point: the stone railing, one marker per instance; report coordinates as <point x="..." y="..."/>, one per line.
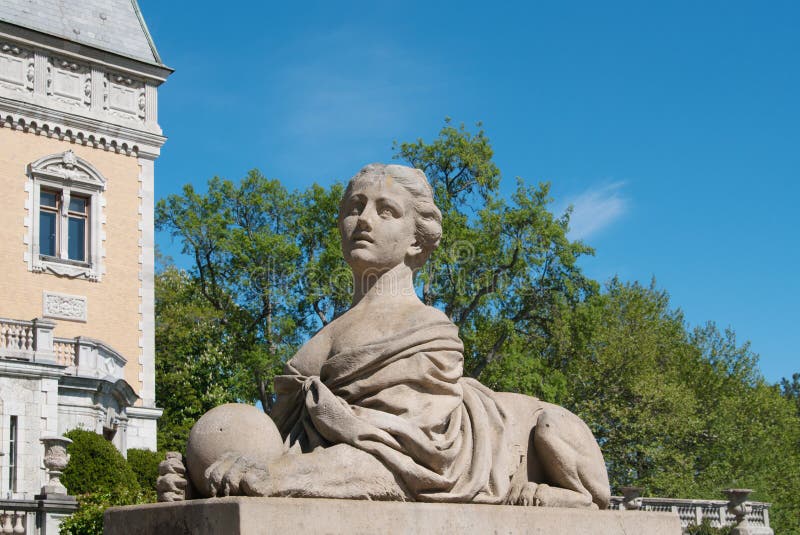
<point x="14" y="521"/>
<point x="694" y="512"/>
<point x="16" y="337"/>
<point x="32" y="517"/>
<point x="65" y="351"/>
<point x="34" y="341"/>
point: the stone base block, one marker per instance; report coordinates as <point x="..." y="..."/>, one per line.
<point x="240" y="516"/>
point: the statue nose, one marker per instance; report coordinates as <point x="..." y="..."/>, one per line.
<point x="363" y="222"/>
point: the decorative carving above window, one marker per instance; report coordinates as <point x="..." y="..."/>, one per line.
<point x="65" y="218"/>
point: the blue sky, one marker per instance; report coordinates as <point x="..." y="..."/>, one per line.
<point x="673" y="128"/>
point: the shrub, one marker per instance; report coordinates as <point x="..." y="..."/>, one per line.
<point x="88" y="519"/>
<point x="96" y="466"/>
<point x="144" y="464"/>
<point x="706" y="529"/>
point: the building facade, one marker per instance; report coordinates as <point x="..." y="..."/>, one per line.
<point x="79" y="136"/>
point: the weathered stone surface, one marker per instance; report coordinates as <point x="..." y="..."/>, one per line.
<point x="375" y="405"/>
<point x="231" y="428"/>
<point x="238" y="515"/>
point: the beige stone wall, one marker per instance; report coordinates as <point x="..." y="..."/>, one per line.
<point x="113" y="303"/>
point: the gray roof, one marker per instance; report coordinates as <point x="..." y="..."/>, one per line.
<point x="113" y="25"/>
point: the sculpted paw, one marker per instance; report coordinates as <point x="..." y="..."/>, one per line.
<point x="524" y="494"/>
<point x="236" y="475"/>
<point x="256" y="482"/>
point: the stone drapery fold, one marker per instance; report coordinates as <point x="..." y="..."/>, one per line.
<point x="403" y="399"/>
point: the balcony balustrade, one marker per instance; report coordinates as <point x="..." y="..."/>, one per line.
<point x="33" y="341"/>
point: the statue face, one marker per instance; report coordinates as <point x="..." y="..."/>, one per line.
<point x="378" y="225"/>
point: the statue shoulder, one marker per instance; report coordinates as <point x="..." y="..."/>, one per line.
<point x="429" y="314"/>
<point x="309" y="358"/>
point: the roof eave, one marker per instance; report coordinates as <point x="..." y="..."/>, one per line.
<point x="151" y="69"/>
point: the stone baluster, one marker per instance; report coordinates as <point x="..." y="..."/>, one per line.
<point x="28" y="339"/>
<point x="19" y="524"/>
<point x="6" y="526"/>
<point x="13" y="337"/>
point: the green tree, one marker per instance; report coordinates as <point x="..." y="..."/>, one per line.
<point x="791" y="389"/>
<point x="624" y="353"/>
<point x="503" y="269"/>
<point x="243" y="239"/>
<point x="194" y="371"/>
<point x="683" y="413"/>
<point x="266" y="264"/>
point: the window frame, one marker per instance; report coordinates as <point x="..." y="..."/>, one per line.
<point x="68" y="176"/>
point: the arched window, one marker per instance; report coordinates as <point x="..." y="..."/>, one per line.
<point x="66" y="197"/>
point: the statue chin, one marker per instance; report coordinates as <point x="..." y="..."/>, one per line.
<point x="231" y="429"/>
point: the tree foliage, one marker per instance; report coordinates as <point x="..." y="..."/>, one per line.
<point x="683" y="413"/>
<point x="194" y="371"/>
<point x="503" y="269"/>
<point x="790" y="388"/>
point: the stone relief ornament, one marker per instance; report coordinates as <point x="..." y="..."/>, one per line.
<point x="16" y="66"/>
<point x="375" y="405"/>
<point x="125" y="97"/>
<point x="62" y="306"/>
<point x="66" y="167"/>
<point x="67" y="82"/>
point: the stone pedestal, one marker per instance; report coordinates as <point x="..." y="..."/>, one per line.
<point x="239" y="516"/>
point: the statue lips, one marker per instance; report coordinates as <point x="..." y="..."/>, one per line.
<point x="361" y="238"/>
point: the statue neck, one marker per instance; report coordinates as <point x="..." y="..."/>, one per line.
<point x="395" y="283"/>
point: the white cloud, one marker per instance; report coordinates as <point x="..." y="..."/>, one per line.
<point x="595" y="209"/>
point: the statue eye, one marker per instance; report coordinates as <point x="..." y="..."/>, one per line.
<point x="387" y="212"/>
<point x="356" y="209"/>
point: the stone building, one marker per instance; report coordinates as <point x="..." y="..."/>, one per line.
<point x="79" y="136"/>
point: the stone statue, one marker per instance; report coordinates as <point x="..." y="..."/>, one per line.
<point x="375" y="406"/>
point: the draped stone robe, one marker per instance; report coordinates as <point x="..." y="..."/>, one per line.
<point x="403" y="399"/>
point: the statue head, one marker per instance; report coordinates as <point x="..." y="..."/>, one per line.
<point x="410" y="215"/>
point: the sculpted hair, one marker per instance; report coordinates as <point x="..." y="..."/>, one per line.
<point x="428" y="218"/>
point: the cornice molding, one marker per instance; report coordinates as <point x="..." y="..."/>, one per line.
<point x="80" y="130"/>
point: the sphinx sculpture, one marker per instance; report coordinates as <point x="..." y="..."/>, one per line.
<point x="374" y="406"/>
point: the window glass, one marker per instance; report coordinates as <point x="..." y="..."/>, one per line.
<point x="77" y="204"/>
<point x="47" y="233"/>
<point x="12" y="454"/>
<point x="49" y="198"/>
<point x="76" y="241"/>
